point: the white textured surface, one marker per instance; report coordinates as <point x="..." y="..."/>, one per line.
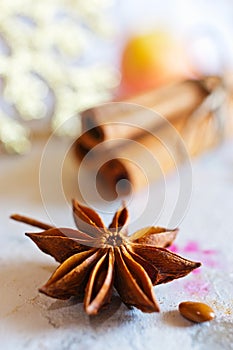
<point x="32" y="321"/>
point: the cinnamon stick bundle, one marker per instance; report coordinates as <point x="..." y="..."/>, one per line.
<point x="124" y="142"/>
<point x="173" y="101"/>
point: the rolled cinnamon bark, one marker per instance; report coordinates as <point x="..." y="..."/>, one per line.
<point x="157" y="156"/>
<point x="111" y="121"/>
<point x="143" y="156"/>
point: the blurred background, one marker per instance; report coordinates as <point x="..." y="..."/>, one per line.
<point x="58" y="58"/>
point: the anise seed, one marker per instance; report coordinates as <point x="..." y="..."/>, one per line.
<point x="196" y="311"/>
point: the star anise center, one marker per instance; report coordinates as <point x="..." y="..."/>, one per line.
<point x="112" y="239"/>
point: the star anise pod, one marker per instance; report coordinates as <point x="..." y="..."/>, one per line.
<point x="95" y="258"/>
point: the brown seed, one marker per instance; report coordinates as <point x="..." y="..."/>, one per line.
<point x="196" y="312"/>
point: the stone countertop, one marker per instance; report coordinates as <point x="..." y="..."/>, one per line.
<point x="33" y="321"/>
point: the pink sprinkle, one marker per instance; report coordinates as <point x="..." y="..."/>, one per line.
<point x="209" y="262"/>
<point x="191" y="247"/>
<point x="173" y="248"/>
<point x="197" y="287"/>
<point x="209" y="251"/>
<point x="196" y="271"/>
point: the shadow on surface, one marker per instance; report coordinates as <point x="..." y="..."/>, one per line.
<point x="24" y="309"/>
<point x="174" y="319"/>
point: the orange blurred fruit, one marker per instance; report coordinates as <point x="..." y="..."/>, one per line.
<point x="150" y="60"/>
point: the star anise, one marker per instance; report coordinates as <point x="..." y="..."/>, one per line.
<point x="95" y="258"/>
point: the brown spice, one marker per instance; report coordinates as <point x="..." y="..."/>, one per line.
<point x="196" y="311"/>
<point x="95" y="258"/>
<point x="200" y="115"/>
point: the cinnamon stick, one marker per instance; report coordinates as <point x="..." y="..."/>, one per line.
<point x="199" y="126"/>
<point x="142" y="166"/>
<point x="111" y="121"/>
